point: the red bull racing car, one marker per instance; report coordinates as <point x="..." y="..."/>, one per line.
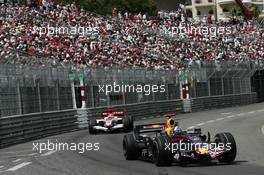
<point x="167" y="143"/>
<point x="111" y="121"/>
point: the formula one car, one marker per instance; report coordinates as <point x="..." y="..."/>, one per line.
<point x="167" y="143"/>
<point x="111" y="121"/>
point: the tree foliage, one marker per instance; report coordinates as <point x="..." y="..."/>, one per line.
<point x="106" y="6"/>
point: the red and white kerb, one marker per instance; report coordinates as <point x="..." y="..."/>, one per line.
<point x="82" y="89"/>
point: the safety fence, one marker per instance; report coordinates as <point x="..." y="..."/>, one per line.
<point x="26" y="89"/>
<point x="22" y="128"/>
<point x="143" y="110"/>
<point x="213" y="102"/>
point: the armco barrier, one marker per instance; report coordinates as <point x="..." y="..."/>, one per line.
<point x="21" y="128"/>
<point x="212" y="102"/>
<point x="141" y="110"/>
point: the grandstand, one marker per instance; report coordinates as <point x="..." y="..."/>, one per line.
<point x="124" y="41"/>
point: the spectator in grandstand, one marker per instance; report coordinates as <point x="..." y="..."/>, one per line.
<point x="137" y="42"/>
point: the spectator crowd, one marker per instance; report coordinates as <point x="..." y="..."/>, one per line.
<point x="124" y="40"/>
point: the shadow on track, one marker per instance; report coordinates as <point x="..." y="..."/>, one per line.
<point x="209" y="164"/>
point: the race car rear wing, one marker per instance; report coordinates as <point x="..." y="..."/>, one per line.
<point x="148" y="128"/>
<point x="104" y="114"/>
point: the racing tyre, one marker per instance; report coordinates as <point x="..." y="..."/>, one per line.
<point x="161" y="154"/>
<point x="130" y="147"/>
<point x="128" y="123"/>
<point x="92" y="123"/>
<point x="227" y="138"/>
<point x="131" y="123"/>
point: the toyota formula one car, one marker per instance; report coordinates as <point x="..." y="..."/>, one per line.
<point x="111" y="121"/>
<point x="166" y="143"/>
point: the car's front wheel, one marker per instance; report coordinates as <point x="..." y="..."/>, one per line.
<point x="161" y="153"/>
<point x="229" y="143"/>
<point x="130" y="147"/>
<point x="92" y="123"/>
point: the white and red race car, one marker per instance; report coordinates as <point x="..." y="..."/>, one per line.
<point x="111" y="121"/>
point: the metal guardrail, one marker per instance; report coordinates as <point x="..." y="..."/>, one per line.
<point x="141" y="110"/>
<point x="212" y="102"/>
<point x="22" y="128"/>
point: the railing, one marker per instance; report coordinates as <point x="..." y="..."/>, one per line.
<point x="213" y="102"/>
<point x="142" y="110"/>
<point x="21" y="128"/>
<point x="26" y="90"/>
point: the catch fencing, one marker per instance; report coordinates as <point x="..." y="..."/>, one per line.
<point x="25" y="89"/>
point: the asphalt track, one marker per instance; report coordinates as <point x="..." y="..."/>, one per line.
<point x="245" y="123"/>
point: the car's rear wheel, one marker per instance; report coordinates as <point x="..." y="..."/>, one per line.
<point x="128" y="123"/>
<point x="130" y="147"/>
<point x="228" y="141"/>
<point x="92" y="123"/>
<point x="161" y="152"/>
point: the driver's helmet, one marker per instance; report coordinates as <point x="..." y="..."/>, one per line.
<point x="177" y="129"/>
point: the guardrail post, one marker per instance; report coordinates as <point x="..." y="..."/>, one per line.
<point x="19" y="98"/>
<point x="57" y="94"/>
<point x="233" y="85"/>
<point x="209" y="87"/>
<point x="92" y="95"/>
<point x="39" y="96"/>
<point x="82" y="88"/>
<point x="73" y="95"/>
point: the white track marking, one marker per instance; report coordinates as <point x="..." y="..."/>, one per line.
<point x="14" y="156"/>
<point x="19" y="166"/>
<point x="48" y="153"/>
<point x="241" y="114"/>
<point x="200" y="124"/>
<point x="15" y="152"/>
<point x="252" y="112"/>
<point x="33" y="154"/>
<point x="210" y="121"/>
<point x="230" y="116"/>
<point x="222" y="118"/>
<point x="226" y="113"/>
<point x="17" y="160"/>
